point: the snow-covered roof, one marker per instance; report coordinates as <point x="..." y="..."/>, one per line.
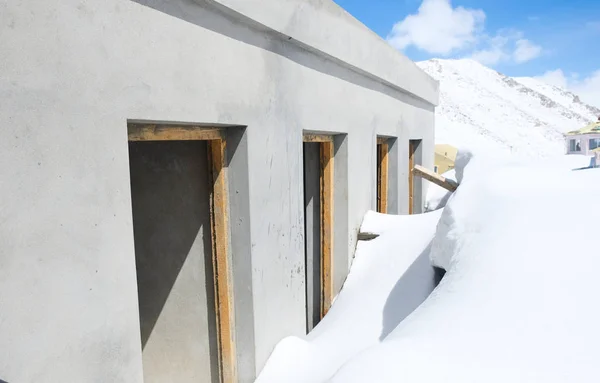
<point x="593" y="128"/>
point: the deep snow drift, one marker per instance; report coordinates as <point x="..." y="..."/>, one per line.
<point x="437" y="196"/>
<point x="518" y="303"/>
<point x="390" y="276"/>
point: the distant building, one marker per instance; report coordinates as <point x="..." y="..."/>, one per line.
<point x="445" y="155"/>
<point x="585" y="140"/>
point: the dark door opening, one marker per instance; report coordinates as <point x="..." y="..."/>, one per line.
<point x="318" y="226"/>
<point x="179" y="220"/>
<point x="312" y="233"/>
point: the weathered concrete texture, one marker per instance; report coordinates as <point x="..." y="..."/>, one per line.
<point x="324" y="26"/>
<point x="170" y="191"/>
<point x="73" y="72"/>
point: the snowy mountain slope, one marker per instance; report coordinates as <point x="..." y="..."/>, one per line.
<point x="564" y="97"/>
<point x="484" y="110"/>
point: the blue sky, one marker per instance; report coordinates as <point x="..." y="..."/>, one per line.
<point x="557" y="41"/>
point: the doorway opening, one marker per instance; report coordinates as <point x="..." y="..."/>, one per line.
<point x="318" y="160"/>
<point x="382" y="174"/>
<point x="180" y="223"/>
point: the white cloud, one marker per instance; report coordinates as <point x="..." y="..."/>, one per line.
<point x="554" y="77"/>
<point x="587" y="88"/>
<point x="438" y="28"/>
<point x="490" y="56"/>
<point x="525" y="51"/>
<point x="507" y="46"/>
<point x="493" y="52"/>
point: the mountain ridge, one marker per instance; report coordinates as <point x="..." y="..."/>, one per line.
<point x="483" y="109"/>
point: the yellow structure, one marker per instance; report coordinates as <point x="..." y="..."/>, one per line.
<point x="445" y="155"/>
<point x="591" y="128"/>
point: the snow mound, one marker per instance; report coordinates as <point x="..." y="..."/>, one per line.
<point x="437" y="196"/>
<point x="518" y="302"/>
<point x="478" y="167"/>
<point x="389" y="278"/>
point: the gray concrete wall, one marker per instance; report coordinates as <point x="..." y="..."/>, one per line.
<point x="74" y="72"/>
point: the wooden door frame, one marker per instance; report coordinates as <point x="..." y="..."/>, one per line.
<point x="413" y="146"/>
<point x="383" y="149"/>
<point x="326" y="189"/>
<point x="219" y="216"/>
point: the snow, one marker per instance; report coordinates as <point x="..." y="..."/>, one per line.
<point x="370" y="305"/>
<point x="517" y="239"/>
<point x="562" y="96"/>
<point x="481" y="109"/>
<point x="437" y="196"/>
<point x="517" y="304"/>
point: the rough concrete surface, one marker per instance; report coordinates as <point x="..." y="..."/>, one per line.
<point x="170" y="191"/>
<point x="73" y="73"/>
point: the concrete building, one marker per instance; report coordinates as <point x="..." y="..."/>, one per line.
<point x="182" y="181"/>
<point x="585" y="140"/>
